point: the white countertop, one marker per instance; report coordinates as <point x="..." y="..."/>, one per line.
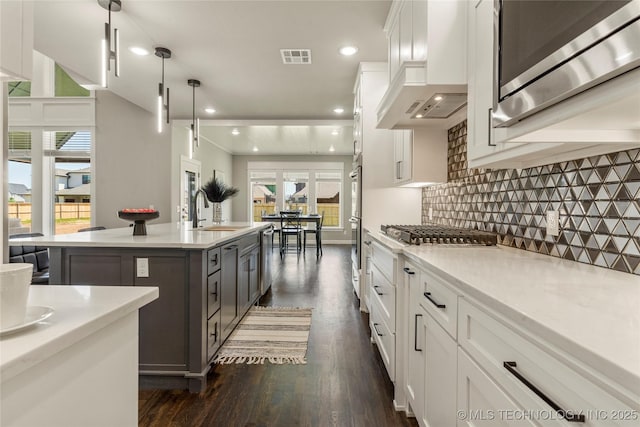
<point x="169" y="235"/>
<point x="592" y="313"/>
<point x="79" y="311"/>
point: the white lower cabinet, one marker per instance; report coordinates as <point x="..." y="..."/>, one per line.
<point x="440" y="376"/>
<point x="546" y="389"/>
<point x="480" y="401"/>
<point x="431" y="356"/>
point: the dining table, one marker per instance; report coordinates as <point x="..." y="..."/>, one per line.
<point x="304" y="218"/>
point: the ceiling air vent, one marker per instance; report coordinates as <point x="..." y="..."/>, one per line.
<point x="441" y="106"/>
<point x="296" y="56"/>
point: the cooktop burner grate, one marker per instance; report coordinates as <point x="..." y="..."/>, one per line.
<point x="417" y="234"/>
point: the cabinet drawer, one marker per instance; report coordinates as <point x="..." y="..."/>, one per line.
<point x="385" y="294"/>
<point x="384" y="260"/>
<point x="440" y="301"/>
<point x="213" y="335"/>
<point x="384" y="338"/>
<point x="510" y="358"/>
<point x="213" y="260"/>
<point x="213" y="293"/>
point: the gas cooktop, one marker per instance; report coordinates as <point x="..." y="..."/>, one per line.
<point x="431" y="233"/>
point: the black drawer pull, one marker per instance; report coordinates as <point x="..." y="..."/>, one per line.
<point x="215" y="286"/>
<point x="375" y="288"/>
<point x="415" y="338"/>
<point x="406" y="270"/>
<point x="375" y="326"/>
<point x="214" y="259"/>
<point x="567" y="415"/>
<point x="428" y="296"/>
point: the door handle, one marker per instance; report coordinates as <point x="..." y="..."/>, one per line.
<point x="375" y="288"/>
<point x="375" y="326"/>
<point x="428" y="296"/>
<point x="570" y="416"/>
<point x="406" y="270"/>
<point x="490" y="127"/>
<point x="415" y="331"/>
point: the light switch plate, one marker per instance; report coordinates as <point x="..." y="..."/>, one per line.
<point x="553" y="223"/>
<point x="142" y="267"/>
<point x="430" y="214"/>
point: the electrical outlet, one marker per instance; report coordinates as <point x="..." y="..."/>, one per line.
<point x="142" y="267"/>
<point x="553" y="223"/>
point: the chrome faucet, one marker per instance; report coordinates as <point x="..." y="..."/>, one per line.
<point x="195" y="206"/>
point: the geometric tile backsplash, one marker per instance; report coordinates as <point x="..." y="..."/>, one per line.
<point x="598" y="199"/>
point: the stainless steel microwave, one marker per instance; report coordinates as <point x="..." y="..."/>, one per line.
<point x="547" y="51"/>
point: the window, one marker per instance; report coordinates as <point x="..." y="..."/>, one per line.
<point x="296" y="191"/>
<point x="263" y="193"/>
<point x="328" y="186"/>
<point x="311" y="187"/>
<point x="86" y="179"/>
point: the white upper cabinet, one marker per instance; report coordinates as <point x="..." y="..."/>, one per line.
<point x="427" y="57"/>
<point x="420" y="157"/>
<point x="16" y="40"/>
<point x="601" y="120"/>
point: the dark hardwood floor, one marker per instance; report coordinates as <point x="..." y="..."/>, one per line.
<point x="344" y="382"/>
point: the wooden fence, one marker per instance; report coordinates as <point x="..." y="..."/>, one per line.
<point x="62" y="211"/>
<point x="331" y="211"/>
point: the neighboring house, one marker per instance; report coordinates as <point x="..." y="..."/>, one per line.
<point x="78" y="177"/>
<point x="19" y="193"/>
<point x="73" y="186"/>
<point x="79" y="194"/>
<point x="262" y="195"/>
<point x="325" y="193"/>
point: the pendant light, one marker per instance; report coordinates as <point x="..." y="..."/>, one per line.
<point x="194" y="131"/>
<point x="163" y="104"/>
<point x="107" y="52"/>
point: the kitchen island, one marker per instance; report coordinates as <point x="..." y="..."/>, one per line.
<point x="75" y="367"/>
<point x="208" y="278"/>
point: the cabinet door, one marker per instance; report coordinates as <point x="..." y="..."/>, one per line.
<point x="419" y="30"/>
<point x="394" y="50"/>
<point x="244" y="265"/>
<point x="415" y="345"/>
<point x="406" y="30"/>
<point x="254" y="275"/>
<point x="481" y="403"/>
<point x="440" y="375"/>
<point x="229" y="297"/>
<point x="402" y="150"/>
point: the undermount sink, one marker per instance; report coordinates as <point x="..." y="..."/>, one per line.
<point x="224" y="228"/>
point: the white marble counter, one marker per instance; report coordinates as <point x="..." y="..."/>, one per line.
<point x="591" y="313"/>
<point x="79" y="312"/>
<point x="169" y="235"/>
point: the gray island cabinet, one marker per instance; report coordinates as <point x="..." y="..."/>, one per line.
<point x="207" y="282"/>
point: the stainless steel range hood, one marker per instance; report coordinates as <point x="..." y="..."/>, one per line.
<point x="412" y="100"/>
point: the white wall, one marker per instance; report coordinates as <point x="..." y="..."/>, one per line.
<point x="241" y="180"/>
<point x="210" y="157"/>
<point x="132" y="161"/>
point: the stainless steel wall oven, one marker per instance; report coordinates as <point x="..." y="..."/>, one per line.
<point x="547" y="51"/>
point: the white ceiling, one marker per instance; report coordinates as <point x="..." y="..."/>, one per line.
<point x="232" y="47"/>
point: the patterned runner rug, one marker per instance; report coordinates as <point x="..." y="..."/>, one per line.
<point x="276" y="334"/>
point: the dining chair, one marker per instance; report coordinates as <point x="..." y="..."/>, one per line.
<point x="316" y="229"/>
<point x="290" y="225"/>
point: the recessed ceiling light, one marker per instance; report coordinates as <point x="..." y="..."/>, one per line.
<point x="418" y="116"/>
<point x="235" y="132"/>
<point x="209" y="110"/>
<point x="139" y="50"/>
<point x="438" y="98"/>
<point x="332" y="149"/>
<point x="255" y="148"/>
<point x="334" y="132"/>
<point x="338" y="110"/>
<point x="348" y="50"/>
